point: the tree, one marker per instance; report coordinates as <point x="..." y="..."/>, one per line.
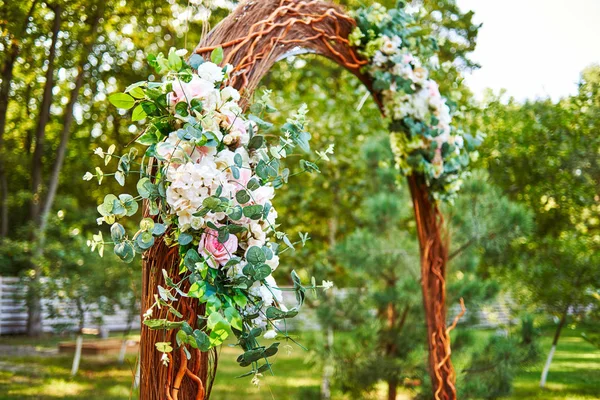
<point x="543" y="154"/>
<point x="52" y="125"/>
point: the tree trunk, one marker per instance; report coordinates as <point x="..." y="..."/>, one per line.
<point x="44" y="117"/>
<point x="180" y="379"/>
<point x="390" y="347"/>
<point x="40" y="234"/>
<point x="34" y="302"/>
<point x="434" y="256"/>
<point x="392" y="389"/>
<point x="561" y="324"/>
<point x="328" y="367"/>
<point x="7" y="75"/>
<point x="68" y="116"/>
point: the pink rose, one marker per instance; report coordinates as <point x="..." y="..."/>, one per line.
<point x="196" y="88"/>
<point x="215" y="251"/>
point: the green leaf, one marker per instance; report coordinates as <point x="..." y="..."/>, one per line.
<point x="236" y="213"/>
<point x="234" y="318"/>
<point x="145" y="240"/>
<point x="240" y="300"/>
<point x="120" y="178"/>
<point x="253" y="212"/>
<point x="185" y="238"/>
<point x="145" y="188"/>
<point x="117" y="232"/>
<point x="242" y="197"/>
<point x="309" y="166"/>
<point x="196" y="105"/>
<point x="223" y="236"/>
<point x="202" y="340"/>
<point x="137" y="92"/>
<point x="255" y="255"/>
<point x="211" y="202"/>
<point x="130" y="205"/>
<point x="256" y="142"/>
<point x="237" y="160"/>
<point x="195" y="61"/>
<point x="217" y="55"/>
<point x="191" y="258"/>
<point x="181" y="337"/>
<point x="162" y="324"/>
<point x="276" y="313"/>
<point x="147" y="224"/>
<point x="235" y="171"/>
<point x="261" y="124"/>
<point x="272" y="350"/>
<point x="164" y="347"/>
<point x="138" y="113"/>
<point x="182" y="108"/>
<point x="175" y="62"/>
<point x="121" y="100"/>
<point x="124" y="251"/>
<point x="253" y="184"/>
<point x="235" y="228"/>
<point x="159" y="229"/>
<point x="250" y="356"/>
<point x="261" y="272"/>
<point x="187" y="328"/>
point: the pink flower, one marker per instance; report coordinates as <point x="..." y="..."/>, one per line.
<point x="196" y="88"/>
<point x="215" y="251"/>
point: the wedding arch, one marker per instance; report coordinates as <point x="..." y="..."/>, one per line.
<point x="208" y="239"/>
<point x="254" y="37"/>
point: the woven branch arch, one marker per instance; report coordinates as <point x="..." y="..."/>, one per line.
<point x="255" y="36"/>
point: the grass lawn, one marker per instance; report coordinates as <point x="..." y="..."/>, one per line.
<point x="574" y="375"/>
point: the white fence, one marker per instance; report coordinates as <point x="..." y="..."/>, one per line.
<point x="13" y="312"/>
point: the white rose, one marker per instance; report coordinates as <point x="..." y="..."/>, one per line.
<point x="210" y="72"/>
<point x="229" y="93"/>
<point x="197" y="223"/>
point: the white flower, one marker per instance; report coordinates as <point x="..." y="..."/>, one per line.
<point x="327" y="285"/>
<point x="210" y="72"/>
<point x="229" y="93"/>
<point x="459" y="141"/>
<point x="99" y="152"/>
<point x="255" y="380"/>
<point x="379" y="59"/>
<point x="165" y="359"/>
<point x="180" y="151"/>
<point x="191" y="184"/>
<point x="181" y="52"/>
<point x="390" y="46"/>
<point x="197" y="223"/>
<point x="147" y="314"/>
<point x="88" y="176"/>
<point x="270" y="334"/>
<point x="273" y="262"/>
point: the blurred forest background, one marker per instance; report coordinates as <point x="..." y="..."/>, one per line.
<point x="525" y="229"/>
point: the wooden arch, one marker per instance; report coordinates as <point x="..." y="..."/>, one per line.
<point x="255" y="36"/>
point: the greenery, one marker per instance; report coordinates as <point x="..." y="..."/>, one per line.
<point x="524" y="228"/>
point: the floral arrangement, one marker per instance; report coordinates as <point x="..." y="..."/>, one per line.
<point x="422" y="136"/>
<point x="209" y="191"/>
